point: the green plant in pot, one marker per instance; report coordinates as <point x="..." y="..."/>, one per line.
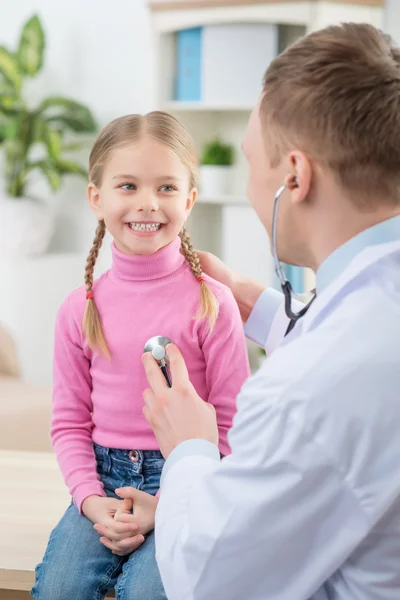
<point x="33" y="141"/>
<point x="216" y="169"/>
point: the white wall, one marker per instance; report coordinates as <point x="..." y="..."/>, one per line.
<point x="391" y="19"/>
<point x="328" y="13"/>
<point x="99" y="52"/>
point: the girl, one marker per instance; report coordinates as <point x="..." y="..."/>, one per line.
<point x="142" y="188"/>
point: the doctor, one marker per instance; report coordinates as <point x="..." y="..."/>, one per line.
<point x="307" y="506"/>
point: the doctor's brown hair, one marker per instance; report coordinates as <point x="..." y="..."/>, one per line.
<point x="165" y="129"/>
<point x="335" y="95"/>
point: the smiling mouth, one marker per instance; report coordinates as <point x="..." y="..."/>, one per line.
<point x="145" y="226"/>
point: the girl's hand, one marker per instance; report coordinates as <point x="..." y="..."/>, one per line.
<point x="142" y="520"/>
<point x="116" y="536"/>
<point x="144" y="509"/>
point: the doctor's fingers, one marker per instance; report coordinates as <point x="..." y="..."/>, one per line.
<point x="179" y="372"/>
<point x="154" y="374"/>
<point x="154" y="410"/>
<point x="150" y="399"/>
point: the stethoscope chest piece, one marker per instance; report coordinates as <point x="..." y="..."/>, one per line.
<point x="157" y="347"/>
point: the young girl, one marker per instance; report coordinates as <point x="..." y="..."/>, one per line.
<point x="142" y="188"/>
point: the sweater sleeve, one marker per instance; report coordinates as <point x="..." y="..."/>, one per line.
<point x="227" y="365"/>
<point x="71" y="428"/>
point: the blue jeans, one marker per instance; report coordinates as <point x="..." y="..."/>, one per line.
<point x="76" y="566"/>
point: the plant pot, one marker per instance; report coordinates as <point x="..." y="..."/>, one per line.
<point x="215" y="180"/>
<point x="26" y="227"/>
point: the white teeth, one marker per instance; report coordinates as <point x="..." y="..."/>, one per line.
<point x="145" y="226"/>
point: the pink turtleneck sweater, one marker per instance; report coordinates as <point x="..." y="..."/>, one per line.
<point x="100" y="400"/>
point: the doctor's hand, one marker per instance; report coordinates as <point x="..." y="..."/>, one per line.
<point x="245" y="291"/>
<point x="176" y="414"/>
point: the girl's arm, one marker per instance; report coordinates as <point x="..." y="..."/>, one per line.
<point x="71" y="428"/>
<point x="227" y="365"/>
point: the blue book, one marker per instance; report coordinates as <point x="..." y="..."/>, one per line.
<point x="188" y="67"/>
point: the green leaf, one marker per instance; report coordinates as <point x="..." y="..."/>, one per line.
<point x="52" y="139"/>
<point x="10" y="69"/>
<point x="51" y="173"/>
<point x="8" y="102"/>
<point x="67" y="167"/>
<point x="9" y="128"/>
<point x="31" y="47"/>
<point x="72" y="146"/>
<point x="68" y="114"/>
<point x="217" y="153"/>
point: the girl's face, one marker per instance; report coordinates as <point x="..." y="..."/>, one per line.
<point x="144" y="196"/>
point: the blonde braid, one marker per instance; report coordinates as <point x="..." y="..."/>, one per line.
<point x="208" y="301"/>
<point x="91" y="319"/>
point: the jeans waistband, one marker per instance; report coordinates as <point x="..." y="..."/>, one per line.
<point x="129" y="452"/>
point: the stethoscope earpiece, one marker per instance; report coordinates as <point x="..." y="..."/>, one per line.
<point x="292" y="183"/>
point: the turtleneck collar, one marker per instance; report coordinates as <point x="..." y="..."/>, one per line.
<point x="145" y="267"/>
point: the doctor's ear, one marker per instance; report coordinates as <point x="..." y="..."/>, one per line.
<point x="292" y="182"/>
<point x="299" y="181"/>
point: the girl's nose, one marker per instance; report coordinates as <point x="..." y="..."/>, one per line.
<point x="146" y="202"/>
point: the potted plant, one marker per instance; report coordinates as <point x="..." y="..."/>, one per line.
<point x="32" y="140"/>
<point x="216" y="168"/>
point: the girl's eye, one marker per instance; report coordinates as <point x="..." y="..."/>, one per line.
<point x="168" y="188"/>
<point x="129" y="187"/>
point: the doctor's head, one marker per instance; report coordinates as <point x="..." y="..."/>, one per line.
<point x="329" y="116"/>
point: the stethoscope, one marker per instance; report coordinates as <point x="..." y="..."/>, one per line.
<point x="285" y="283"/>
<point x="157" y="344"/>
<point x="157" y="347"/>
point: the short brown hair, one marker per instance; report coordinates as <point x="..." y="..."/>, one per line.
<point x="335" y="94"/>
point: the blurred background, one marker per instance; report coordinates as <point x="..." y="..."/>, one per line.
<point x="69" y="67"/>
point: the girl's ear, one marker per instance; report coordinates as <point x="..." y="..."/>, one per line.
<point x="94" y="201"/>
<point x="191" y="199"/>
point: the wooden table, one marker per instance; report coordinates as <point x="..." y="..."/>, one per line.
<point x="33" y="497"/>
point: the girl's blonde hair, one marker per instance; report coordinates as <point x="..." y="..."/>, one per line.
<point x="167" y="130"/>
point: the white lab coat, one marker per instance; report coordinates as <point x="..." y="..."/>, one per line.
<point x="307" y="506"/>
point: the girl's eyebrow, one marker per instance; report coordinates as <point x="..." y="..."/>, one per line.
<point x="161" y="178"/>
<point x="168" y="178"/>
<point x="130" y="176"/>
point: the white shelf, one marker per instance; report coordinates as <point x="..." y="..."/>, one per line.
<point x="224" y="200"/>
<point x="175" y="106"/>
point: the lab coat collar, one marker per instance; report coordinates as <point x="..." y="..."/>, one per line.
<point x="385" y="232"/>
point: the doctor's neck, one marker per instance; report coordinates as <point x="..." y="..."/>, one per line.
<point x="340" y="215"/>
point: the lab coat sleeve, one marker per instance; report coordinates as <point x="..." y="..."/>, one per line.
<point x="267" y="323"/>
<point x="240" y="528"/>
